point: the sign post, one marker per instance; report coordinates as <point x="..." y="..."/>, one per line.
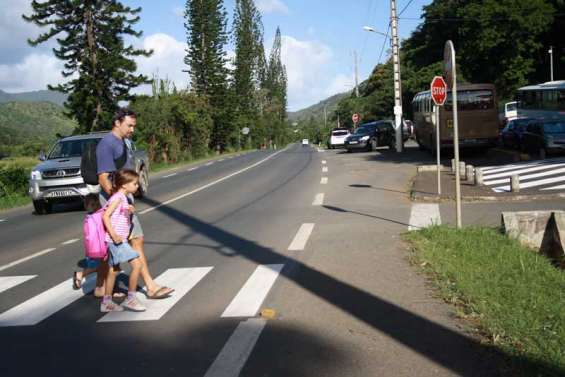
<point x="438" y="89"/>
<point x="451" y="78"/>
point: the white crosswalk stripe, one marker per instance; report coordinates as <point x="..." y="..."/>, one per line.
<point x="246" y="303"/>
<point x="546" y="174"/>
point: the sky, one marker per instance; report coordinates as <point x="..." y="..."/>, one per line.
<point x="318" y="42"/>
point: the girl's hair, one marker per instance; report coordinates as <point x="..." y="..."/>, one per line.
<point x="124" y="176"/>
<point x="91" y="203"/>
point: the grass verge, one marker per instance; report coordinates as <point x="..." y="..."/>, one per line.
<point x="14" y="200"/>
<point x="513" y="296"/>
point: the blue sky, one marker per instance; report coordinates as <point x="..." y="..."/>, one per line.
<point x="319" y="38"/>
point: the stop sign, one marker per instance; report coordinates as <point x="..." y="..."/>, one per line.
<point x="355" y="118"/>
<point x="438" y="88"/>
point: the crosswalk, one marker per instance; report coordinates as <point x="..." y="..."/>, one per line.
<point x="246" y="303"/>
<point x="543" y="175"/>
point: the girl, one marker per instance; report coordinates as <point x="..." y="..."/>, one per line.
<point x="117" y="222"/>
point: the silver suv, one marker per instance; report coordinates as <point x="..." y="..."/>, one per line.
<point x="58" y="178"/>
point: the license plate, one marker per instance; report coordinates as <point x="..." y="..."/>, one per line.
<point x="61" y="193"/>
<point x="353" y="142"/>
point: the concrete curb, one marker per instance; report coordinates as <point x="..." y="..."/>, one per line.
<point x="418" y="197"/>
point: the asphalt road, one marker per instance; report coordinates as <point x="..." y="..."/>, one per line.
<point x="315" y="237"/>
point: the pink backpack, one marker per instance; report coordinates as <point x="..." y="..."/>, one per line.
<point x="95" y="235"/>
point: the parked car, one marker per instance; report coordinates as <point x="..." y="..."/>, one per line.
<point x="544" y="136"/>
<point x="371" y="135"/>
<point x="337" y="138"/>
<point x="305" y="142"/>
<point x="511" y="135"/>
<point x="58" y="177"/>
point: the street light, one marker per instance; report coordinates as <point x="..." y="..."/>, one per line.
<point x="368" y="28"/>
<point x="550" y="52"/>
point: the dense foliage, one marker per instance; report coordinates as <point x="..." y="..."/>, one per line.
<point x="98" y="64"/>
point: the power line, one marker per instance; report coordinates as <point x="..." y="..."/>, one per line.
<point x="384" y="44"/>
<point x="456" y="19"/>
<point x="406" y="6"/>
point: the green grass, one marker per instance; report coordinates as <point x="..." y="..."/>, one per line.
<point x="512" y="295"/>
<point x="25" y="162"/>
<point x="14" y="200"/>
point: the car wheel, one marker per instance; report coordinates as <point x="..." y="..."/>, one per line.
<point x="42" y="207"/>
<point x="143" y="183"/>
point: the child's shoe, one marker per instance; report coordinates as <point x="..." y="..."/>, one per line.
<point x="133" y="304"/>
<point x="110" y="306"/>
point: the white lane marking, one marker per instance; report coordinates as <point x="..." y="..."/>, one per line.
<point x="318" y="200"/>
<point x="324" y="181"/>
<point x="209" y="184"/>
<point x="250" y="297"/>
<point x="70" y="241"/>
<point x="2" y="220"/>
<point x="325" y="169"/>
<point x="236" y="351"/>
<point x="497" y="169"/>
<point x="424" y="215"/>
<point x="525" y="185"/>
<point x="169" y="175"/>
<point x="526" y="176"/>
<point x="301" y="238"/>
<point x="323" y="162"/>
<point x="7" y="282"/>
<point x="193" y="169"/>
<point x="210" y="163"/>
<point x="15" y="263"/>
<point x="45" y="304"/>
<point x="520" y="171"/>
<point x="182" y="279"/>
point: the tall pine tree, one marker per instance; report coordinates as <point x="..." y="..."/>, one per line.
<point x="98" y="66"/>
<point x="205" y="24"/>
<point x="276" y="88"/>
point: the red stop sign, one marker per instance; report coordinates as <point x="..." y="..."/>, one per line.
<point x="438" y="88"/>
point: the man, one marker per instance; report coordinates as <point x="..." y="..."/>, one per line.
<point x="109" y="151"/>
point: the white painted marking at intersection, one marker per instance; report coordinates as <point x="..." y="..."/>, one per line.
<point x="318" y="200"/>
<point x="424" y="215"/>
<point x="250" y="297"/>
<point x="323" y="162"/>
<point x="301" y="238"/>
<point x="324" y="181"/>
<point x="519" y="171"/>
<point x="170" y="175"/>
<point x="236" y="351"/>
<point x="525" y="185"/>
<point x="325" y="169"/>
<point x="525" y="177"/>
<point x="560" y="187"/>
<point x="209" y="184"/>
<point x="7" y="282"/>
<point x="183" y="279"/>
<point x="15" y="263"/>
<point x="70" y="241"/>
<point x="45" y="304"/>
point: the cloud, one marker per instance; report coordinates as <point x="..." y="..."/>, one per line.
<point x="340" y="83"/>
<point x="33" y="73"/>
<point x="272" y="6"/>
<point x="178" y="11"/>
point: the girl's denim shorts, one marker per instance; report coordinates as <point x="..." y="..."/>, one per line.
<point x="121" y="253"/>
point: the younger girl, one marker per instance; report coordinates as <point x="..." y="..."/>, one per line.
<point x="117" y="222"/>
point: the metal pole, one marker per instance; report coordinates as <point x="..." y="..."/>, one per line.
<point x="356" y="75"/>
<point x="397" y="82"/>
<point x="325" y="117"/>
<point x="551" y="62"/>
<point x="456" y="139"/>
<point x="438" y="151"/>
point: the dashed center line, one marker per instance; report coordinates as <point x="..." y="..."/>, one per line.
<point x="70" y="241"/>
<point x="170" y="175"/>
<point x="318" y="200"/>
<point x="193" y="169"/>
<point x="323" y="162"/>
<point x="325" y="169"/>
<point x="301" y="238"/>
<point x="324" y="181"/>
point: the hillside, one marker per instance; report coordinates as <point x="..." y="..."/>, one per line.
<point x="36" y="96"/>
<point x="317" y="110"/>
<point x="32" y="122"/>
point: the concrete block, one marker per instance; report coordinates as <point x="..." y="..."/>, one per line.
<point x="470" y="173"/>
<point x="479" y="177"/>
<point x="462" y="172"/>
<point x="515" y="183"/>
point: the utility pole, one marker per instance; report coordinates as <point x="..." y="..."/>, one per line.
<point x="356" y="74"/>
<point x="325" y="117"/>
<point x="397" y="82"/>
<point x="551" y="62"/>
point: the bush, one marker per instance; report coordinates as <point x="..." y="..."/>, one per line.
<point x="13" y="181"/>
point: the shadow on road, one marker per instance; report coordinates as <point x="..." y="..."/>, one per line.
<point x="460" y="354"/>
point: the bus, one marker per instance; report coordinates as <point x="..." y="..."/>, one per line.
<point x="545" y="100"/>
<point x="478" y="118"/>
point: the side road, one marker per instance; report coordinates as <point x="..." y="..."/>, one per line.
<point x="357" y="289"/>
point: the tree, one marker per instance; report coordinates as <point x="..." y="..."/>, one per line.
<point x="205" y="24"/>
<point x="98" y="65"/>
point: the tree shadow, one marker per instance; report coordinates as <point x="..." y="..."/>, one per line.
<point x="377" y="188"/>
<point x="337" y="209"/>
<point x="459" y="353"/>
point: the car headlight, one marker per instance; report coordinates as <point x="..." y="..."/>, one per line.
<point x="35" y="175"/>
<point x="364" y="138"/>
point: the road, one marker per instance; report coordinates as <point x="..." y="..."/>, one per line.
<point x="260" y="231"/>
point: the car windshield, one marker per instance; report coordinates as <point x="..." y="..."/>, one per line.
<point x="364" y="130"/>
<point x="554" y="128"/>
<point x="69" y="148"/>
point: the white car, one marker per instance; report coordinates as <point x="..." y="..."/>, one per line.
<point x="304" y="142"/>
<point x="337" y="137"/>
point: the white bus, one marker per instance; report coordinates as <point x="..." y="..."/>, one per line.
<point x="545" y="100"/>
